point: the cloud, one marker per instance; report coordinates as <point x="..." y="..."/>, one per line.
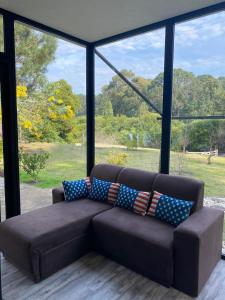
<point x="69" y="64"/>
<point x="154" y="39"/>
<point x="199" y="48"/>
<point x="186" y="35"/>
<point x="200" y="30"/>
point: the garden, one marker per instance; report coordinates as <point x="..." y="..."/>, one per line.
<point x="67" y="161"/>
<point x="52" y="121"/>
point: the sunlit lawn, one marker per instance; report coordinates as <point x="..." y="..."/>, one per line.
<point x="68" y="162"/>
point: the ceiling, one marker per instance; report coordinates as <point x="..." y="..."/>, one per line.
<point x="92" y="20"/>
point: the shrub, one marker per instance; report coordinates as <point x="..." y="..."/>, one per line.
<point x="32" y="163"/>
<point x="117" y="158"/>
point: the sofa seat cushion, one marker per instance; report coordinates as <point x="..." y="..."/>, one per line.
<point x="144" y="244"/>
<point x="41" y="230"/>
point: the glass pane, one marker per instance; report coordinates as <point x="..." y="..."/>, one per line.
<point x="128" y="130"/>
<point x="2" y="182"/>
<point x="197" y="146"/>
<point x="1" y="35"/>
<point x="51" y="113"/>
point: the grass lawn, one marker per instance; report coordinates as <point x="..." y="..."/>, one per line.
<point x="66" y="162"/>
<point x="69" y="162"/>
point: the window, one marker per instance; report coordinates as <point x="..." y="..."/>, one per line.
<point x="128" y="129"/>
<point x="197" y="144"/>
<point x="2" y="182"/>
<point x="51" y="79"/>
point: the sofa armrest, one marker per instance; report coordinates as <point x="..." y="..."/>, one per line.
<point x="197" y="249"/>
<point x="58" y="195"/>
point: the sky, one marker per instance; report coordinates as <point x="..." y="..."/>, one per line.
<point x="199" y="48"/>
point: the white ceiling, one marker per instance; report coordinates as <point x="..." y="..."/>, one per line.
<point x="92" y="20"/>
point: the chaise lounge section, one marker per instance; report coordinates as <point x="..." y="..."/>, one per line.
<point x="45" y="240"/>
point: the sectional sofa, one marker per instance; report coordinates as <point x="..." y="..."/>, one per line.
<point x="45" y="240"/>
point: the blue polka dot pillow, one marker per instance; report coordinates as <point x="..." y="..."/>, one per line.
<point x="74" y="190"/>
<point x="132" y="199"/>
<point x="105" y="191"/>
<point x="171" y="210"/>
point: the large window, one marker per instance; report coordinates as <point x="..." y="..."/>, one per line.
<point x="2" y="191"/>
<point x="2" y="182"/>
<point x="128" y="129"/>
<point x="51" y="113"/>
<point x="198" y="139"/>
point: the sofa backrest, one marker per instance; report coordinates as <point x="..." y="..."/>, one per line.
<point x="180" y="187"/>
<point x="106" y="172"/>
<point x="137" y="179"/>
<point x="184" y="188"/>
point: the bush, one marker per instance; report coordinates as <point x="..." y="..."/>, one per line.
<point x="33" y="163"/>
<point x="117" y="158"/>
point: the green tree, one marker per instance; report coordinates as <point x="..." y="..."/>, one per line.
<point x="49" y="115"/>
<point x="184" y="88"/>
<point x="82" y="108"/>
<point x="192" y="95"/>
<point x="124" y="100"/>
<point x="207" y="135"/>
<point x="103" y="106"/>
<point x="210" y="98"/>
<point x="155" y="91"/>
<point x="34" y="52"/>
<point x="62" y="105"/>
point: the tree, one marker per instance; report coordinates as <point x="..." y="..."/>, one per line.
<point x="192" y="95"/>
<point x="48" y="115"/>
<point x="210" y="97"/>
<point x="82" y="108"/>
<point x="62" y="105"/>
<point x="103" y="106"/>
<point x="207" y="135"/>
<point x="184" y="88"/>
<point x="34" y="52"/>
<point x="122" y="97"/>
<point x="155" y="91"/>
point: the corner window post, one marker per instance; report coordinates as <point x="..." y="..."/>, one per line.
<point x="167" y="99"/>
<point x="90" y="102"/>
<point x="9" y="122"/>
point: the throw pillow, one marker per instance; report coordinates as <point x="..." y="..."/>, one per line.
<point x="171" y="210"/>
<point x="105" y="191"/>
<point x="74" y="190"/>
<point x="132" y="199"/>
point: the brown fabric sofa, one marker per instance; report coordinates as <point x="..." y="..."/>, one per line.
<point x="43" y="241"/>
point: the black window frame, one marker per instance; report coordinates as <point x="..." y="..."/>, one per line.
<point x="7" y="59"/>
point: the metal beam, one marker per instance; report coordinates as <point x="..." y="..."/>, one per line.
<point x="9" y="122"/>
<point x="167" y="99"/>
<point x="90" y="104"/>
<point x="199" y="118"/>
<point x="216" y="117"/>
<point x="127" y="81"/>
